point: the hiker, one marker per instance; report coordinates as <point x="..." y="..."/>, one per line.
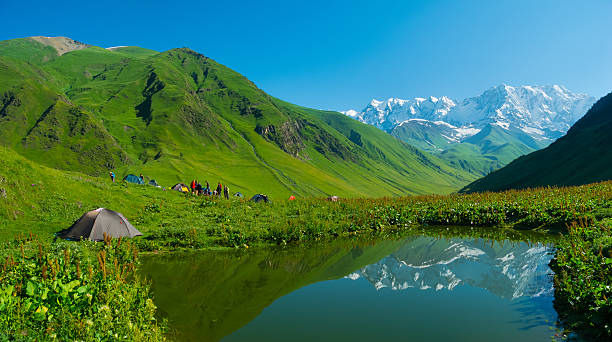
<point x="219" y="189"/>
<point x="142" y="177"/>
<point x="226" y="192"/>
<point x="112" y="176"/>
<point x="193" y="185"/>
<point x="198" y="189"/>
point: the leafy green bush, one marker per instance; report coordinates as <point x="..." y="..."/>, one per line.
<point x="583" y="279"/>
<point x="72" y="291"/>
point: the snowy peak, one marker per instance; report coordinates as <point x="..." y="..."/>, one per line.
<point x="543" y="112"/>
<point x="547" y="107"/>
<point x="393" y="111"/>
<point x="351" y="112"/>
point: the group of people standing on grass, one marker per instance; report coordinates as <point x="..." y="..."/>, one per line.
<point x="198" y="189"/>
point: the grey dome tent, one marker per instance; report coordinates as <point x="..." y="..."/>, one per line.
<point x="260" y="198"/>
<point x="180" y="187"/>
<point x="238" y="194"/>
<point x="154" y="183"/>
<point x="92" y="226"/>
<point x="133" y="179"/>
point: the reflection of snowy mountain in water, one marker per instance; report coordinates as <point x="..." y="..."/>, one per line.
<point x="509" y="270"/>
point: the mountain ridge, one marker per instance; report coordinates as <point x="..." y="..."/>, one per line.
<point x="581" y="156"/>
<point x="532" y="117"/>
<point x="515" y="105"/>
<point x="178" y="115"/>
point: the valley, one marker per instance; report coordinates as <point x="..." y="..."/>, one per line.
<point x="412" y="219"/>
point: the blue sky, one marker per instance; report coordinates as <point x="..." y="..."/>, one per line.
<point x="340" y="54"/>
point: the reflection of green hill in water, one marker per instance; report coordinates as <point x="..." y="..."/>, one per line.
<point x="208" y="295"/>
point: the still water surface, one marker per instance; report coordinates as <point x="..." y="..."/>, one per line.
<point x="415" y="289"/>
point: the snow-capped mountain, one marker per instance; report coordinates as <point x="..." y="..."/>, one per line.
<point x="388" y="114"/>
<point x="543" y="112"/>
<point x="509" y="271"/>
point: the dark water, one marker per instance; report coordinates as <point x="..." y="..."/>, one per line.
<point x="415" y="289"/>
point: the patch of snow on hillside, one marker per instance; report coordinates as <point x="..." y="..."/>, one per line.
<point x="351" y="112"/>
<point x="532" y="131"/>
<point x="466" y="132"/>
<point x="116" y="47"/>
<point x="503" y="125"/>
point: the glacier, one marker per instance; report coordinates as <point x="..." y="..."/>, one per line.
<point x="542" y="112"/>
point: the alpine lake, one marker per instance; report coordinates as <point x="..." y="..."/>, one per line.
<point x="410" y="288"/>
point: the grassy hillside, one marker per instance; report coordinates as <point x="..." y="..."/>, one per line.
<point x="178" y="115"/>
<point x="581" y="156"/>
<point x="492" y="148"/>
<point x="35" y="198"/>
<point x="424" y="135"/>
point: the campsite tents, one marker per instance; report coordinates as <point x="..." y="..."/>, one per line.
<point x="154" y="183"/>
<point x="180" y="187"/>
<point x="133" y="179"/>
<point x="260" y="198"/>
<point x="92" y="226"/>
<point x="238" y="194"/>
<point x="332" y="198"/>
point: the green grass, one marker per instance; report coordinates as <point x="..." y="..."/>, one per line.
<point x="44" y="200"/>
<point x="74" y="292"/>
<point x="28" y="50"/>
<point x="583" y="278"/>
<point x="490" y="149"/>
<point x="178" y="115"/>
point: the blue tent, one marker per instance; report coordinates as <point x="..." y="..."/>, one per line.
<point x="260" y="198"/>
<point x="133" y="179"/>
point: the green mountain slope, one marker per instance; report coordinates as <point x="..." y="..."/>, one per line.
<point x="581" y="156"/>
<point x="178" y="115"/>
<point x="424" y="135"/>
<point x="492" y="148"/>
<point x="488" y="150"/>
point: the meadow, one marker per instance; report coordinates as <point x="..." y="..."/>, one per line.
<point x="42" y="201"/>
